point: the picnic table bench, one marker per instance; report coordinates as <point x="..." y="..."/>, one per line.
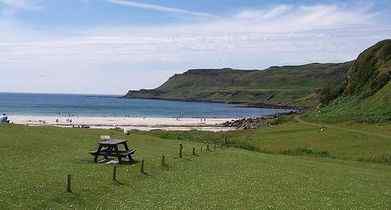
<point x="111" y="148"/>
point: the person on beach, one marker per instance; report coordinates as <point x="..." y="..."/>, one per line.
<point x="4" y="119"/>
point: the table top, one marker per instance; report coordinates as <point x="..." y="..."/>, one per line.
<point x="112" y="142"/>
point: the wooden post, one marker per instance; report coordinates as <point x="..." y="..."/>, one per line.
<point x="163" y="161"/>
<point x="201" y="149"/>
<point x="194" y="152"/>
<point x="180" y="150"/>
<point x="207" y="147"/>
<point x="142" y="167"/>
<point x="115" y="173"/>
<point x="69" y="183"/>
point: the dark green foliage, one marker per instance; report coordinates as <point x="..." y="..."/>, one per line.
<point x="380" y="81"/>
<point x="330" y="93"/>
<point x="308" y="151"/>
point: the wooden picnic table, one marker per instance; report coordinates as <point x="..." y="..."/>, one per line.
<point x="112" y="148"/>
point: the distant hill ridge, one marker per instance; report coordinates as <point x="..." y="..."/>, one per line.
<point x="359" y="90"/>
<point x="275" y="86"/>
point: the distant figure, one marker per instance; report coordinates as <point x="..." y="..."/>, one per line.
<point x="4" y="119"/>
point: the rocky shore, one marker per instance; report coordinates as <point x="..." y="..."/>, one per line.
<point x="254" y="123"/>
<point x="250" y="123"/>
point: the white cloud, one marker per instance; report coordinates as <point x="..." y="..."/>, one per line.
<point x="274" y="12"/>
<point x="143" y="57"/>
<point x="21" y="4"/>
<point x="159" y="8"/>
<point x="11" y="7"/>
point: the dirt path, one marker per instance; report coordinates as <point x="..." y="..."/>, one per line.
<point x="297" y="118"/>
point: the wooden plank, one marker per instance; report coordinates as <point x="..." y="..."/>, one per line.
<point x="112" y="142"/>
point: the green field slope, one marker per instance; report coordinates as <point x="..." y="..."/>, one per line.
<point x="366" y="96"/>
<point x="286" y="85"/>
<point x="35" y="162"/>
<point x="345" y="141"/>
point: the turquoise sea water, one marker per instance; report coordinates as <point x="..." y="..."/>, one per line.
<point x="114" y="106"/>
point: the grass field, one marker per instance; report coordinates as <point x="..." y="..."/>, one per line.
<point x="35" y="162"/>
<point x="346" y="141"/>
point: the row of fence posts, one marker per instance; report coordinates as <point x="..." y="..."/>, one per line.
<point x="164" y="164"/>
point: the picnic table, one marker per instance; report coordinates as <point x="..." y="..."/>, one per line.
<point x="112" y="148"/>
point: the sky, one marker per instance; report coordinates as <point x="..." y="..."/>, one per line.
<point x="111" y="46"/>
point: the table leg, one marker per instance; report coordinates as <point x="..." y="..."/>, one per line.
<point x="126" y="146"/>
<point x="97" y="153"/>
<point x="117" y="151"/>
<point x="109" y="150"/>
<point x="127" y="149"/>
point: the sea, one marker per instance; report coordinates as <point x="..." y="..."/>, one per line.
<point x="26" y="104"/>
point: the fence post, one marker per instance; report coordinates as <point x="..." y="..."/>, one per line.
<point x="207" y="147"/>
<point x="115" y="173"/>
<point x="142" y="167"/>
<point x="69" y="183"/>
<point x="180" y="150"/>
<point x="194" y="151"/>
<point x="163" y="161"/>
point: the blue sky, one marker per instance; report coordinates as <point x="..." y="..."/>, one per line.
<point x="110" y="46"/>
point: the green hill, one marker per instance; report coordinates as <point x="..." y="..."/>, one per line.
<point x="358" y="90"/>
<point x="366" y="95"/>
<point x="371" y="71"/>
<point x="286" y="85"/>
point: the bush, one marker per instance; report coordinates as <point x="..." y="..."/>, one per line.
<point x="330" y="93"/>
<point x="308" y="151"/>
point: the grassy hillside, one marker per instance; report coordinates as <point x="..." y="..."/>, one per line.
<point x="376" y="108"/>
<point x="36" y="160"/>
<point x="371" y="71"/>
<point x="366" y="97"/>
<point x="287" y="85"/>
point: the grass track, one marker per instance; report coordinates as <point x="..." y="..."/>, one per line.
<point x="339" y="127"/>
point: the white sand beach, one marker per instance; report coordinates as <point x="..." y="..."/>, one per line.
<point x="126" y="123"/>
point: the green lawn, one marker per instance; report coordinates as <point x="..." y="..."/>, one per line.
<point x="36" y="160"/>
<point x="347" y="141"/>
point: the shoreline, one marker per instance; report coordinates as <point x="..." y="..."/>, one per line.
<point x="125" y="123"/>
<point x="239" y="104"/>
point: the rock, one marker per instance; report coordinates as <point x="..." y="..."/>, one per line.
<point x="249" y="123"/>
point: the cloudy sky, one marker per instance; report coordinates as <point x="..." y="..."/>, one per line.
<point x="110" y="46"/>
